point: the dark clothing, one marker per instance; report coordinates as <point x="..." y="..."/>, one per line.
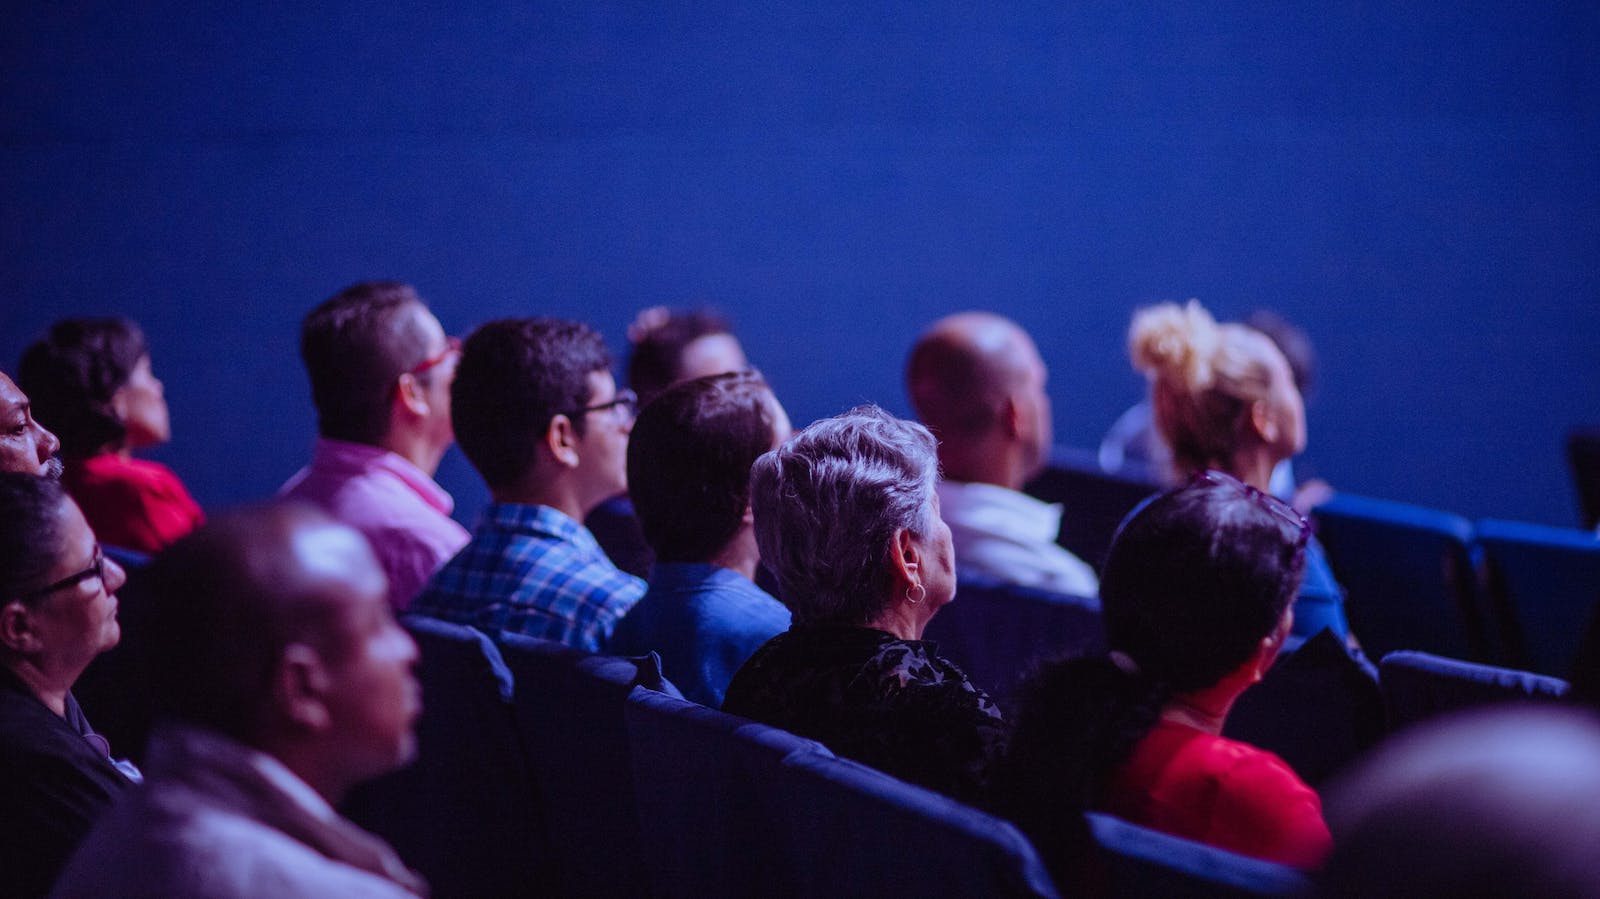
<point x="870" y="696"/>
<point x="56" y="778"/>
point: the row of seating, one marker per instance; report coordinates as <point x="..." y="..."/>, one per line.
<point x="544" y="770"/>
<point x="1493" y="591"/>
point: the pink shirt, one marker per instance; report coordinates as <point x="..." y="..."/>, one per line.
<point x="402" y="512"/>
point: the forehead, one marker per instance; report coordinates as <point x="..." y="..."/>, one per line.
<point x="602" y="387"/>
<point x="10" y="396"/>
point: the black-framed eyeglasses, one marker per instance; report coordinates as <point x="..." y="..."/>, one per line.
<point x="625" y="405"/>
<point x="97" y="568"/>
<point x="1266" y="501"/>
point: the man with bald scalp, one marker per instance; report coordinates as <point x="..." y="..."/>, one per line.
<point x="976" y="380"/>
<point x="283" y="681"/>
<point x="26" y="446"/>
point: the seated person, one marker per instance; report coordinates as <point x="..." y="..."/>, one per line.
<point x="290" y="684"/>
<point x="26" y="446"/>
<point x="689" y="459"/>
<point x="538" y="414"/>
<point x="59" y="612"/>
<point x="380" y="367"/>
<point x="667" y="347"/>
<point x="1225" y="399"/>
<point x="91" y="382"/>
<point x="977" y="381"/>
<point x="1196" y="597"/>
<point x="847" y="518"/>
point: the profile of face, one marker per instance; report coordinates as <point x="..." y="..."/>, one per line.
<point x="76" y="618"/>
<point x="1033" y="402"/>
<point x="713" y="354"/>
<point x="937" y="554"/>
<point x="25" y="445"/>
<point x="602" y="469"/>
<point x="372" y="696"/>
<point x="435" y="374"/>
<point x="141" y="404"/>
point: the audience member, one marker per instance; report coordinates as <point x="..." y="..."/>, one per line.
<point x="689" y="459"/>
<point x="1224" y="399"/>
<point x="380" y="368"/>
<point x="25" y="445"/>
<point x="847" y="518"/>
<point x="1196" y="596"/>
<point x="59" y="612"/>
<point x="668" y="347"/>
<point x="1497" y="802"/>
<point x="92" y="383"/>
<point x="977" y="381"/>
<point x="538" y="414"/>
<point x="289" y="684"/>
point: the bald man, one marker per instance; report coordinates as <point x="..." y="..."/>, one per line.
<point x="26" y="446"/>
<point x="977" y="382"/>
<point x="284" y="681"/>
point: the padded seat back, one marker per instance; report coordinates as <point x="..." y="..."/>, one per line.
<point x="995" y="632"/>
<point x="1093" y="501"/>
<point x="1143" y="862"/>
<point x="1545" y="585"/>
<point x="1408" y="576"/>
<point x="1583" y="456"/>
<point x="464" y="814"/>
<point x="569" y="712"/>
<point x="706" y="784"/>
<point x="1417" y="686"/>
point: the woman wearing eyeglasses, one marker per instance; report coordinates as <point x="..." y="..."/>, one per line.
<point x="57" y="612"/>
<point x="1224" y="399"/>
<point x="1196" y="597"/>
<point x="91" y="383"/>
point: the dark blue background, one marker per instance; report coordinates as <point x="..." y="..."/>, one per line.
<point x="1415" y="183"/>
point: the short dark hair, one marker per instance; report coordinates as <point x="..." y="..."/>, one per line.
<point x="221" y="607"/>
<point x="515" y="375"/>
<point x="656" y="360"/>
<point x="355" y="345"/>
<point x="71" y="375"/>
<point x="689" y="459"/>
<point x="30" y="532"/>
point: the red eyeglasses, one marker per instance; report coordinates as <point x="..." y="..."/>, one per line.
<point x="452" y="346"/>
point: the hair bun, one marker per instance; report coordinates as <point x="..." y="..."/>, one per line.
<point x="1176" y="343"/>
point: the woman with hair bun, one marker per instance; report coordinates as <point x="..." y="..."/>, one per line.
<point x="1196" y="597"/>
<point x="91" y="383"/>
<point x="1225" y="399"/>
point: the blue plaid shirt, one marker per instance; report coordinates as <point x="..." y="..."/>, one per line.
<point x="532" y="570"/>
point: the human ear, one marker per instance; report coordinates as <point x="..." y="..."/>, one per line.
<point x="16" y="628"/>
<point x="907" y="559"/>
<point x="409" y="393"/>
<point x="561" y="438"/>
<point x="1264" y="421"/>
<point x="299" y="687"/>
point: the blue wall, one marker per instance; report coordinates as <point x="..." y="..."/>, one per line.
<point x="1415" y="183"/>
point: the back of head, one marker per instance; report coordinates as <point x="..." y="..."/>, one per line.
<point x="659" y="338"/>
<point x="827" y="504"/>
<point x="961" y="369"/>
<point x="515" y="375"/>
<point x="1204" y="376"/>
<point x="1486" y="803"/>
<point x="226" y="601"/>
<point x="72" y="374"/>
<point x="30" y="531"/>
<point x="355" y="345"/>
<point x="689" y="459"/>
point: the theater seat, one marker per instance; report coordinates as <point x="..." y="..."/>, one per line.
<point x="464" y="814"/>
<point x="1583" y="457"/>
<point x="1417" y="686"/>
<point x="569" y="713"/>
<point x="1544" y="583"/>
<point x="995" y="632"/>
<point x="1143" y="862"/>
<point x="1093" y="501"/>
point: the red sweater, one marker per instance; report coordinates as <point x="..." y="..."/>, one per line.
<point x="1228" y="794"/>
<point x="132" y="503"/>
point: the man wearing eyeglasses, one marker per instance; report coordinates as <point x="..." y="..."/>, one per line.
<point x="380" y="368"/>
<point x="538" y="414"/>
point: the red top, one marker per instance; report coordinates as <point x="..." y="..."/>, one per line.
<point x="1214" y="790"/>
<point x="132" y="503"/>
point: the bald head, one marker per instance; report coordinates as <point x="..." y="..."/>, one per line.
<point x="228" y="600"/>
<point x="976" y="380"/>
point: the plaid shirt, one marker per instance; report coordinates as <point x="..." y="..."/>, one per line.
<point x="532" y="570"/>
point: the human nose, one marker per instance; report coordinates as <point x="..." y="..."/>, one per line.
<point x="113" y="575"/>
<point x="48" y="443"/>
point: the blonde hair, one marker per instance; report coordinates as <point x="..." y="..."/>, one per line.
<point x="1204" y="378"/>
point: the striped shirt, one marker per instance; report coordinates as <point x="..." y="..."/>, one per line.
<point x="532" y="570"/>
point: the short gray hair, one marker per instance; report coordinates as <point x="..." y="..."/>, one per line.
<point x="827" y="505"/>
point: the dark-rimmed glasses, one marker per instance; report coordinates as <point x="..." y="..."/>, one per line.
<point x="97" y="568"/>
<point x="625" y="405"/>
<point x="452" y="345"/>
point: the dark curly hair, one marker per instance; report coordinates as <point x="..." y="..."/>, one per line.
<point x="72" y="374"/>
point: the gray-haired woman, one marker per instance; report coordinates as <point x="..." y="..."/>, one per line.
<point x="847" y="520"/>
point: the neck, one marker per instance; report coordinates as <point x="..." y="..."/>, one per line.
<point x="985" y="460"/>
<point x="1207" y="709"/>
<point x="740" y="554"/>
<point x="1254" y="467"/>
<point x="50" y="689"/>
<point x="310" y="764"/>
<point x="558" y="495"/>
<point x="414" y="448"/>
<point x="902" y="620"/>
